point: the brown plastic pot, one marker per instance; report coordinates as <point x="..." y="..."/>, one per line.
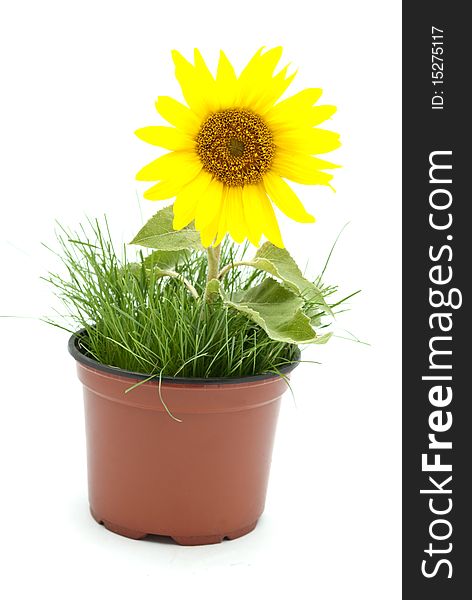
<point x="199" y="480"/>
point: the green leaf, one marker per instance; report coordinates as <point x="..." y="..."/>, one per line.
<point x="322" y="339"/>
<point x="165" y="259"/>
<point x="278" y="263"/>
<point x="278" y="311"/>
<point x="159" y="233"/>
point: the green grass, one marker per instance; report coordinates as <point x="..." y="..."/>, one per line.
<point x="138" y="322"/>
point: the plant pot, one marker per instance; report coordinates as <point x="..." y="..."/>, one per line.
<point x="199" y="480"/>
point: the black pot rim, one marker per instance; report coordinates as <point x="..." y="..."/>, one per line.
<point x="77" y="353"/>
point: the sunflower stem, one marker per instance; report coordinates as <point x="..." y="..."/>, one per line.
<point x="181" y="278"/>
<point x="240" y="263"/>
<point x="213" y="269"/>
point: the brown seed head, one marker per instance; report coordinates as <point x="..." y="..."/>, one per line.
<point x="235" y="146"/>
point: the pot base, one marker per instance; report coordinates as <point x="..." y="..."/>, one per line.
<point x="124" y="531"/>
<point x="192" y="540"/>
<point x="203" y="540"/>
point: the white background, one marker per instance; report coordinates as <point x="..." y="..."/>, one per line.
<point x="77" y="79"/>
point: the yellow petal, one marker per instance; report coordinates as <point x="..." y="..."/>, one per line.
<point x="182" y="165"/>
<point x="257" y="74"/>
<point x="163" y="190"/>
<point x="208" y="234"/>
<point x="302" y="168"/>
<point x="226" y="82"/>
<point x="223" y="220"/>
<point x="318" y="114"/>
<point x="262" y="64"/>
<point x="166" y="137"/>
<point x="300" y="119"/>
<point x="292" y="106"/>
<point x="194" y="84"/>
<point x="235" y="214"/>
<point x="253" y="213"/>
<point x="285" y="198"/>
<point x="274" y="89"/>
<point x="202" y="73"/>
<point x="209" y="205"/>
<point x="187" y="200"/>
<point x="269" y="220"/>
<point x="185" y="75"/>
<point x="178" y="115"/>
<point x="309" y="140"/>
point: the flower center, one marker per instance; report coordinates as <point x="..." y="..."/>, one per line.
<point x="235" y="146"/>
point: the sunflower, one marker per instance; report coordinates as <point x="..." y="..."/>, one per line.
<point x="234" y="146"/>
